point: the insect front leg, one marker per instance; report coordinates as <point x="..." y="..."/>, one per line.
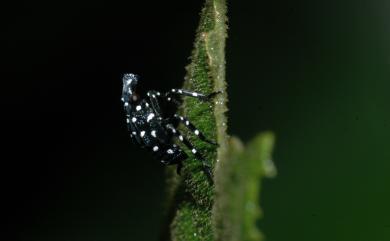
<point x="193" y="94"/>
<point x="153" y="98"/>
<point x="133" y="130"/>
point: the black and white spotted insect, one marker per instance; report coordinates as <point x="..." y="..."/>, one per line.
<point x="151" y="129"/>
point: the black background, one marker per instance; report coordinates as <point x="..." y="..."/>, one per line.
<point x="315" y="72"/>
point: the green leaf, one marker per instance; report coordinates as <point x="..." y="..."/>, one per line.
<point x="238" y="185"/>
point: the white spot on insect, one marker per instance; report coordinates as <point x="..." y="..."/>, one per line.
<point x="153" y="133"/>
<point x="196" y="132"/>
<point x="187" y="123"/>
<point x="142" y="133"/>
<point x="193" y="151"/>
<point x="158" y="93"/>
<point x="173" y="90"/>
<point x="154" y="96"/>
<point x="180" y="91"/>
<point x="181" y="137"/>
<point x="169" y="99"/>
<point x="170" y="151"/>
<point x="134" y="133"/>
<point x="194" y="94"/>
<point x="150" y="116"/>
<point x="148" y="94"/>
<point x="155" y="148"/>
<point x="138" y="107"/>
<point x="173" y="130"/>
<point x="133" y="119"/>
<point x="126" y="103"/>
<point x="181" y="118"/>
<point x="147" y="105"/>
<point x="122" y="99"/>
<point x="127" y="120"/>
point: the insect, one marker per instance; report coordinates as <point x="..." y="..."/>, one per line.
<point x="151" y="128"/>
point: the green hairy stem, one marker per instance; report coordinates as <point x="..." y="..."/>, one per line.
<point x="228" y="209"/>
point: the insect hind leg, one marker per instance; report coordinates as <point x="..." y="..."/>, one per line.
<point x="193" y="129"/>
<point x="188" y="144"/>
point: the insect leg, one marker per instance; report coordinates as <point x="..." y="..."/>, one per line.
<point x="187" y="143"/>
<point x="194" y="94"/>
<point x="192" y="128"/>
<point x="170" y="98"/>
<point x="133" y="130"/>
<point x="153" y="97"/>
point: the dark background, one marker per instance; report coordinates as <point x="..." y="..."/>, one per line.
<point x="315" y="72"/>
